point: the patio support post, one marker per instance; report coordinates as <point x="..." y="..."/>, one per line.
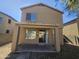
<point x="14" y="41"/>
<point x="22" y="35"/>
<point x="57" y="40"/>
<point x="37" y="35"/>
<point x="61" y="36"/>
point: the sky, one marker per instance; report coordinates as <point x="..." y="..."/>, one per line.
<point x="12" y="7"/>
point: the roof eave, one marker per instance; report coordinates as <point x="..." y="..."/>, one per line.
<point x="45" y="5"/>
<point x="8" y="16"/>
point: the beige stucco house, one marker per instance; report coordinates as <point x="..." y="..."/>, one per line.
<point x="6" y="27"/>
<point x="71" y="31"/>
<point x="41" y="25"/>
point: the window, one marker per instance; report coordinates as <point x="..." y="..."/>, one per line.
<point x="28" y="16"/>
<point x="1" y="20"/>
<point x="7" y="31"/>
<point x="31" y="16"/>
<point x="30" y="34"/>
<point x="9" y="21"/>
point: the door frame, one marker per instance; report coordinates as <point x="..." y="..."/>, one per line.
<point x="45" y="37"/>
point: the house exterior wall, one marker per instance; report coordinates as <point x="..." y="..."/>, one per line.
<point x="71" y="31"/>
<point x="5" y="25"/>
<point x="78" y="25"/>
<point x="45" y="15"/>
<point x="10" y="26"/>
<point x="2" y="25"/>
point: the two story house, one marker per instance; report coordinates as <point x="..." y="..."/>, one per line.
<point x="6" y="27"/>
<point x="71" y="31"/>
<point x="41" y="25"/>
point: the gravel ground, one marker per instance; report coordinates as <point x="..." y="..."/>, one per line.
<point x="5" y="50"/>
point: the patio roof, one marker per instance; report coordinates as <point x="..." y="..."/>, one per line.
<point x="36" y="25"/>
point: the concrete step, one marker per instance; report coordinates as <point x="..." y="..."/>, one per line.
<point x="32" y="55"/>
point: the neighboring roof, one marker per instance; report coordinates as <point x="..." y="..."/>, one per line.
<point x="41" y="4"/>
<point x="8" y="16"/>
<point x="70" y="22"/>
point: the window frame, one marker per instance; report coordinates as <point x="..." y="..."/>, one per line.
<point x="31" y="16"/>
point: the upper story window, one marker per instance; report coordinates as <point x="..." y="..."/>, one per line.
<point x="9" y="21"/>
<point x="1" y="20"/>
<point x="31" y="16"/>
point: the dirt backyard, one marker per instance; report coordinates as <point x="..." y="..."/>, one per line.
<point x="5" y="50"/>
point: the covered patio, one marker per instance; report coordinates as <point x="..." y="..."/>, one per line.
<point x="48" y="41"/>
